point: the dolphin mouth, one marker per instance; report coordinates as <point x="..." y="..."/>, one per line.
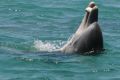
<point x="91" y="11"/>
<point x="91" y="7"/>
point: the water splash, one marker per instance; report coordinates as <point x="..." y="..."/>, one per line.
<point x="48" y="46"/>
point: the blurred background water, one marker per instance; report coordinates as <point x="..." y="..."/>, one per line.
<point x="30" y="29"/>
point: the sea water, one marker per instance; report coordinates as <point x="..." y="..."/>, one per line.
<point x="31" y="29"/>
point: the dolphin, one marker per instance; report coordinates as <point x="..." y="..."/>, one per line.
<point x="88" y="36"/>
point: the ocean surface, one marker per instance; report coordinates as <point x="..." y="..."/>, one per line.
<point x="31" y="29"/>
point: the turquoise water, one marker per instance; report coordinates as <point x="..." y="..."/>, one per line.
<point x="31" y="29"/>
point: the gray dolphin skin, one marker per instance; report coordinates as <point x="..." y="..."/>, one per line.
<point x="88" y="37"/>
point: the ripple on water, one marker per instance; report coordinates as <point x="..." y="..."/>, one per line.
<point x="31" y="29"/>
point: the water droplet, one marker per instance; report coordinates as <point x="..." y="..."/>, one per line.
<point x="16" y="10"/>
<point x="9" y="9"/>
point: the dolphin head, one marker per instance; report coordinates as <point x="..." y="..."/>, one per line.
<point x="91" y="14"/>
<point x="88" y="36"/>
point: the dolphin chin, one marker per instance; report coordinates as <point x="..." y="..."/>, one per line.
<point x="88" y="36"/>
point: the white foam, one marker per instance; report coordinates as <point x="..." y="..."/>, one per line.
<point x="48" y="46"/>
